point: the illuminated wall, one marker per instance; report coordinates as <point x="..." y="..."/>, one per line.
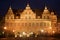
<point x="28" y="21"/>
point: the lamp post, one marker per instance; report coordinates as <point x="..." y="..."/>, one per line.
<point x="5" y="31"/>
<point x="5" y="28"/>
<point x="42" y="31"/>
<point x="13" y="30"/>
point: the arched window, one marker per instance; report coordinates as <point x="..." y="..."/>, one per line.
<point x="44" y="17"/>
<point x="37" y="24"/>
<point x="25" y="17"/>
<point x="47" y="17"/>
<point x="29" y="17"/>
<point x="44" y="24"/>
<point x="7" y="17"/>
<point x="29" y="24"/>
<point x="33" y="24"/>
<point x="22" y="24"/>
<point x="48" y="24"/>
<point x="25" y="24"/>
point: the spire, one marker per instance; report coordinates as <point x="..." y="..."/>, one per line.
<point x="45" y="7"/>
<point x="52" y="13"/>
<point x="27" y="7"/>
<point x="46" y="10"/>
<point x="10" y="8"/>
<point x="27" y="4"/>
<point x="10" y="12"/>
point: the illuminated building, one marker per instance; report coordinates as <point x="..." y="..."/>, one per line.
<point x="27" y="22"/>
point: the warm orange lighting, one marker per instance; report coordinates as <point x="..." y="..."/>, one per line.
<point x="20" y="35"/>
<point x="5" y="27"/>
<point x="50" y="27"/>
<point x="53" y="31"/>
<point x="13" y="30"/>
<point x="42" y="30"/>
<point x="3" y="32"/>
<point x="28" y="35"/>
<point x="31" y="33"/>
<point x="24" y="33"/>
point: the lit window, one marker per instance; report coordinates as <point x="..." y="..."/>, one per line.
<point x="41" y="24"/>
<point x="29" y="24"/>
<point x="25" y="24"/>
<point x="33" y="24"/>
<point x="44" y="24"/>
<point x="22" y="24"/>
<point x="7" y="17"/>
<point x="44" y="17"/>
<point x="47" y="17"/>
<point x="25" y="17"/>
<point x="48" y="24"/>
<point x="29" y="17"/>
<point x="37" y="24"/>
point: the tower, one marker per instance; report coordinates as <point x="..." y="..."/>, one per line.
<point x="9" y="19"/>
<point x="28" y="13"/>
<point x="9" y="14"/>
<point x="53" y="17"/>
<point x="46" y="13"/>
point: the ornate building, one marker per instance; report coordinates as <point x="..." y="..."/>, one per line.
<point x="27" y="23"/>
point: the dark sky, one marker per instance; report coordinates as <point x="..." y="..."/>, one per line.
<point x="39" y="4"/>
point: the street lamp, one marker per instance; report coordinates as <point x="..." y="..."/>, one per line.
<point x="24" y="33"/>
<point x="13" y="30"/>
<point x="42" y="30"/>
<point x="50" y="27"/>
<point x="5" y="28"/>
<point x="53" y="32"/>
<point x="5" y="32"/>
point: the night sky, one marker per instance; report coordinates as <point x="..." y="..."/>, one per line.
<point x="35" y="4"/>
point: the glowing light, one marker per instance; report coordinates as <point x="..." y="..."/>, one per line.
<point x="53" y="31"/>
<point x="15" y="35"/>
<point x="42" y="30"/>
<point x="50" y="27"/>
<point x="35" y="35"/>
<point x="20" y="35"/>
<point x="13" y="30"/>
<point x="3" y="32"/>
<point x="28" y="35"/>
<point x="45" y="7"/>
<point x="5" y="27"/>
<point x="24" y="33"/>
<point x="31" y="33"/>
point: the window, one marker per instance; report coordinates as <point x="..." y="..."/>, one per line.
<point x="22" y="24"/>
<point x="37" y="24"/>
<point x="41" y="24"/>
<point x="47" y="24"/>
<point x="11" y="17"/>
<point x="25" y="24"/>
<point x="29" y="17"/>
<point x="47" y="17"/>
<point x="44" y="24"/>
<point x="44" y="17"/>
<point x="7" y="17"/>
<point x="33" y="24"/>
<point x="25" y="17"/>
<point x="29" y="24"/>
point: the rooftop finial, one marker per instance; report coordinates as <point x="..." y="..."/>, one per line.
<point x="10" y="7"/>
<point x="27" y="7"/>
<point x="27" y="4"/>
<point x="45" y="7"/>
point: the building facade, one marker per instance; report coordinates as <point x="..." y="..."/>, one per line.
<point x="27" y="22"/>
